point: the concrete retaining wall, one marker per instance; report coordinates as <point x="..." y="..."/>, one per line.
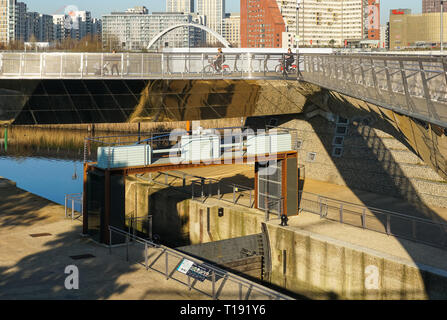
<point x="372" y="161"/>
<point x="323" y="268"/>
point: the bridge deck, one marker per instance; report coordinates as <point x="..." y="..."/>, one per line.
<point x="412" y="85"/>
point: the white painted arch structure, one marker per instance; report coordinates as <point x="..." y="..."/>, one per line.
<point x="167" y="30"/>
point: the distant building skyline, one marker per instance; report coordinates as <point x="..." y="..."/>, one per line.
<point x="97" y="8"/>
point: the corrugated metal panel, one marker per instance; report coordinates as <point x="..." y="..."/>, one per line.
<point x="258" y="144"/>
<point x="281" y="142"/>
<point x="121" y="157"/>
<point x="269" y="143"/>
<point x="200" y="147"/>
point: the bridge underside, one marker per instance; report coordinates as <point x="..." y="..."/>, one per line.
<point x="28" y="102"/>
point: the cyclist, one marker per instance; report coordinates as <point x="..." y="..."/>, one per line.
<point x="219" y="59"/>
<point x="290" y="59"/>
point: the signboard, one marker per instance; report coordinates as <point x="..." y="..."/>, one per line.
<point x="193" y="270"/>
<point x="397" y="12"/>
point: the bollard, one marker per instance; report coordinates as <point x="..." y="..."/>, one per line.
<point x="146" y="256"/>
<point x="213" y="275"/>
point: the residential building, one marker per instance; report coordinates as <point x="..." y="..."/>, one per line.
<point x="214" y="10"/>
<point x="429" y="6"/>
<point x="232" y="29"/>
<point x="12" y="21"/>
<point x="372" y="22"/>
<point x="262" y="25"/>
<point x="185" y="6"/>
<point x="385" y="36"/>
<point x="134" y="29"/>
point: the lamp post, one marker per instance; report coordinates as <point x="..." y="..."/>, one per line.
<point x="442" y="25"/>
<point x="298" y="3"/>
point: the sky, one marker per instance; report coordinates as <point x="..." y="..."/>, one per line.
<point x="100" y="7"/>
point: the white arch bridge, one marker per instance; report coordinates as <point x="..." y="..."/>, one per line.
<point x="183" y="25"/>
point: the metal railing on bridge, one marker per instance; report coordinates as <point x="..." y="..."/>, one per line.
<point x="64" y="65"/>
<point x="412" y="85"/>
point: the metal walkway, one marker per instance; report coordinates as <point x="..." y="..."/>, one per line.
<point x="412" y="85"/>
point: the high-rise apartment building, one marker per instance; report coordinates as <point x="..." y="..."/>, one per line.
<point x="308" y="22"/>
<point x="185" y="6"/>
<point x="12" y="21"/>
<point x="232" y="29"/>
<point x="372" y="20"/>
<point x="214" y="10"/>
<point x="134" y="29"/>
<point x="429" y="6"/>
<point x="331" y="22"/>
<point x="262" y="25"/>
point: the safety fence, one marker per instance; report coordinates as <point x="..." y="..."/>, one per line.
<point x="412" y="85"/>
<point x="190" y="272"/>
<point x="140" y="65"/>
<point x="73" y="206"/>
<point x="422" y="230"/>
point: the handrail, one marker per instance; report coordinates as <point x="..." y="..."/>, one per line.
<point x="216" y="270"/>
<point x="378" y="210"/>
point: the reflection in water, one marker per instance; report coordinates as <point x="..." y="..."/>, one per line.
<point x="48" y="178"/>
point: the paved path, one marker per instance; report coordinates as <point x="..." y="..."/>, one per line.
<point x="33" y="268"/>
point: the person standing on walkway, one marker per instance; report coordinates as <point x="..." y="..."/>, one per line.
<point x="115" y="60"/>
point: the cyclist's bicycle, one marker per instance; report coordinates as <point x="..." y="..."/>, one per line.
<point x="211" y="68"/>
<point x="280" y="68"/>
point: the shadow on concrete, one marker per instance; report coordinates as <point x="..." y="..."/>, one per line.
<point x="41" y="275"/>
<point x="384" y="165"/>
<point x="19" y="208"/>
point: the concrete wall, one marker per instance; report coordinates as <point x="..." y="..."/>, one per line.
<point x="373" y="160"/>
<point x="181" y="222"/>
<point x="324" y="268"/>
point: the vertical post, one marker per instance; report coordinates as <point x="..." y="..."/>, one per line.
<point x="66" y="200"/>
<point x="240" y="291"/>
<point x="364" y="218"/>
<point x="72" y="209"/>
<point x="250" y="198"/>
<point x="213" y="275"/>
<point x="203" y="65"/>
<point x="234" y="194"/>
<point x="341" y="213"/>
<point x="388" y="227"/>
<point x="122" y="65"/>
<point x="84" y="201"/>
<point x="167" y="261"/>
<point x="107" y="203"/>
<point x="162" y="65"/>
<point x="142" y="64"/>
<point x="189" y="283"/>
<point x="82" y="65"/>
<point x="192" y="189"/>
<point x="110" y="241"/>
<point x="41" y="64"/>
<point x="442" y="26"/>
<point x="146" y="256"/>
<point x="218" y="191"/>
<point x="102" y="64"/>
<point x="127" y="247"/>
